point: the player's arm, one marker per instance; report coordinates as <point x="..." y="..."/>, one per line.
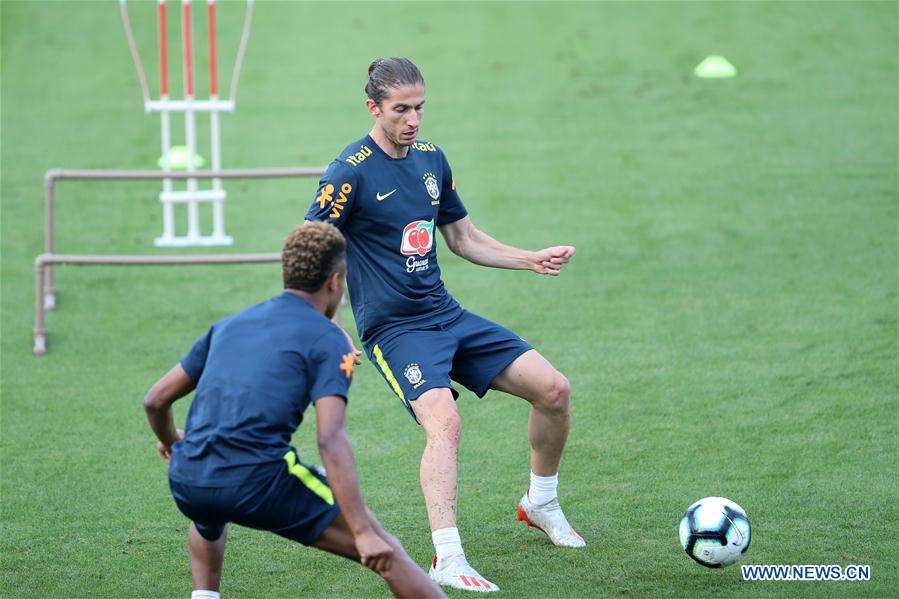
<point x="356" y="352"/>
<point x="469" y="242"/>
<point x="174" y="385"/>
<point x="337" y="456"/>
<point x="335" y="197"/>
<point x="333" y="203"/>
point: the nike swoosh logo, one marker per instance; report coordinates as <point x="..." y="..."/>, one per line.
<point x="385" y="196"/>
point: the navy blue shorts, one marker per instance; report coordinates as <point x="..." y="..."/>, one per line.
<point x="470" y="350"/>
<point x="295" y="502"/>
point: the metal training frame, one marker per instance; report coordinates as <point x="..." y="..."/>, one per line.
<point x="45" y="291"/>
<point x="192" y="196"/>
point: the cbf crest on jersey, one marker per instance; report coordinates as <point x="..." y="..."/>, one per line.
<point x="431" y="185"/>
<point x="413" y="373"/>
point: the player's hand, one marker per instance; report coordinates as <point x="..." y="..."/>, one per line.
<point x="165" y="451"/>
<point x="374" y="552"/>
<point x="356" y="352"/>
<point x="550" y="261"/>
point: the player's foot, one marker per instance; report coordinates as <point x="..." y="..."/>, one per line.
<point x="550" y="519"/>
<point x="455" y="572"/>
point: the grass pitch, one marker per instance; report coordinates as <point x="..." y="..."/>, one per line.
<point x="728" y="324"/>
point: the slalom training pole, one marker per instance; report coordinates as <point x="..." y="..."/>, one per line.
<point x="190" y="125"/>
<point x="168" y="210"/>
<point x="218" y="213"/>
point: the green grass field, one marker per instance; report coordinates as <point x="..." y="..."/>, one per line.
<point x="728" y="324"/>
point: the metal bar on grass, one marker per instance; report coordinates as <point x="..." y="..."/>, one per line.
<point x="45" y="289"/>
<point x="43" y="261"/>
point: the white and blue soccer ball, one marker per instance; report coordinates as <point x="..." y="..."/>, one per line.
<point x="715" y="532"/>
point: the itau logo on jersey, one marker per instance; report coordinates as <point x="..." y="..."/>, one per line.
<point x="418" y="238"/>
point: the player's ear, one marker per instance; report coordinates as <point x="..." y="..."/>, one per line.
<point x="333" y="281"/>
<point x="373" y="108"/>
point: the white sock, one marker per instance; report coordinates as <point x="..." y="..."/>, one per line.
<point x="446" y="543"/>
<point x="543" y="488"/>
<point x="205" y="595"/>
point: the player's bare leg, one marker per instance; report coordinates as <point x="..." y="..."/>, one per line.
<point x="404" y="578"/>
<point x="436" y="410"/>
<point x="533" y="378"/>
<point x="206" y="559"/>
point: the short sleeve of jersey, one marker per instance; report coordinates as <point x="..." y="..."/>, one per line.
<point x="451" y="207"/>
<point x="331" y="363"/>
<point x="334" y="197"/>
<point x="195" y="360"/>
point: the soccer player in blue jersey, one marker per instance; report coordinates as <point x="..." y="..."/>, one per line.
<point x="255" y="373"/>
<point x="388" y="192"/>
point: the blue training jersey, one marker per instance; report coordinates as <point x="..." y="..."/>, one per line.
<point x="256" y="372"/>
<point x="389" y="210"/>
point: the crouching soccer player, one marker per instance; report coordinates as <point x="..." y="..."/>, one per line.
<point x="255" y="373"/>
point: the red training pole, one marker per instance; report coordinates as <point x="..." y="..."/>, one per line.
<point x="213" y="74"/>
<point x="188" y="57"/>
<point x="163" y="53"/>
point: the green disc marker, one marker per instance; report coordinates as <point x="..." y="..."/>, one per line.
<point x="179" y="156"/>
<point x="715" y="67"/>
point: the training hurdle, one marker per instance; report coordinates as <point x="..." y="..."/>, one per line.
<point x="186" y="157"/>
<point x="45" y="291"/>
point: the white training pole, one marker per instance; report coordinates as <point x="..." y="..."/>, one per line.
<point x="168" y="210"/>
<point x="135" y="55"/>
<point x="241" y="51"/>
<point x="218" y="212"/>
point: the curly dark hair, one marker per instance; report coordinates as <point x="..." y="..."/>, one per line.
<point x="311" y="253"/>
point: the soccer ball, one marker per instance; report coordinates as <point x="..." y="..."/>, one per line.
<point x="715" y="532"/>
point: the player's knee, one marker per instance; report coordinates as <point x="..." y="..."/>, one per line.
<point x="398" y="574"/>
<point x="558" y="395"/>
<point x="449" y="428"/>
<point x="441" y="421"/>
